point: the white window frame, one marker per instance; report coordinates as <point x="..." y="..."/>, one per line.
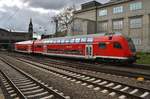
<point x="103" y="12"/>
<point x="119" y="26"/>
<point x="136" y="6"/>
<point x="103" y="26"/>
<point x="137" y="41"/>
<point x="118" y="9"/>
<point x="135" y="23"/>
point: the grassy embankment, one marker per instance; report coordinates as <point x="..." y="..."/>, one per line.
<point x="144" y="58"/>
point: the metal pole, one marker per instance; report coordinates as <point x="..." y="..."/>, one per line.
<point x="96" y="20"/>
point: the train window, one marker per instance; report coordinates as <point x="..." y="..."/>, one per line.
<point x="45" y="41"/>
<point x="90" y="40"/>
<point x="83" y="40"/>
<point x="102" y="45"/>
<point x="67" y="41"/>
<point x="58" y="41"/>
<point x="39" y="46"/>
<point x="117" y="45"/>
<point x="62" y="41"/>
<point x="77" y="40"/>
<point x="72" y="40"/>
<point x="50" y="41"/>
<point x="54" y="41"/>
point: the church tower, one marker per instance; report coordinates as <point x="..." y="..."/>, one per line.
<point x="30" y="29"/>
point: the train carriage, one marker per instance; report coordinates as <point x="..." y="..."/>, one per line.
<point x="67" y="47"/>
<point x="111" y="48"/>
<point x="38" y="46"/>
<point x="24" y="46"/>
<point x="104" y="47"/>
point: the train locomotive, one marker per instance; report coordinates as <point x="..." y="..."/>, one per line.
<point x="103" y="48"/>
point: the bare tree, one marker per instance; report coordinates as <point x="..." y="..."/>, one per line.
<point x="64" y="19"/>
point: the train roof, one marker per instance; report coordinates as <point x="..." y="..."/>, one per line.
<point x="86" y="36"/>
<point x="80" y="38"/>
<point x="25" y="42"/>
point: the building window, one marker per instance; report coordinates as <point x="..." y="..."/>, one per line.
<point x="136" y="23"/>
<point x="136" y="6"/>
<point x="118" y="9"/>
<point x="137" y="41"/>
<point x="78" y="26"/>
<point x="103" y="26"/>
<point x="118" y="24"/>
<point x="103" y="12"/>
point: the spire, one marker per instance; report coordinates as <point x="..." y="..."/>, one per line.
<point x="30" y="30"/>
<point x="30" y="21"/>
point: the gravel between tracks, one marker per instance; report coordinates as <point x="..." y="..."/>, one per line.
<point x="76" y="91"/>
<point x="121" y="79"/>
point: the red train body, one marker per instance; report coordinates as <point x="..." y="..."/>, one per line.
<point x="113" y="48"/>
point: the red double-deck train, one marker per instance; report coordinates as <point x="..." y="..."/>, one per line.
<point x="110" y="48"/>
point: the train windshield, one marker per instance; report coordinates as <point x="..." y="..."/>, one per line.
<point x="131" y="45"/>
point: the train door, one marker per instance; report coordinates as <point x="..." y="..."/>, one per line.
<point x="89" y="51"/>
<point x="29" y="48"/>
<point x="45" y="48"/>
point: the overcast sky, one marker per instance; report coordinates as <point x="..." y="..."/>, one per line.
<point x="15" y="14"/>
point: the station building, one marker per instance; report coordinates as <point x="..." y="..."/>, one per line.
<point x="129" y="17"/>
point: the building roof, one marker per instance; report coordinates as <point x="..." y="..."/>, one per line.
<point x="90" y="4"/>
<point x="18" y="32"/>
<point x="112" y="2"/>
<point x="3" y="30"/>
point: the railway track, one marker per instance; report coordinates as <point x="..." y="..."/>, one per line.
<point x="126" y="71"/>
<point x="85" y="64"/>
<point x="21" y="85"/>
<point x="133" y="70"/>
<point x="111" y="88"/>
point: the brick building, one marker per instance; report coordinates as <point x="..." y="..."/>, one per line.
<point x="129" y="17"/>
